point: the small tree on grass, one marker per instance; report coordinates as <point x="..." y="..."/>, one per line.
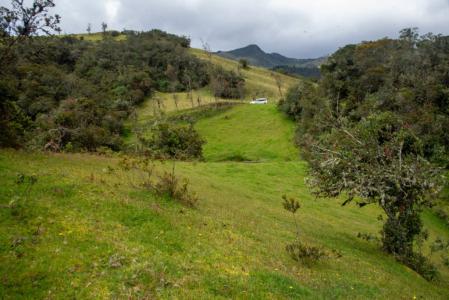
<point x="175" y="100"/>
<point x="170" y="143"/>
<point x="243" y="63"/>
<point x="379" y="161"/>
<point x="104" y="27"/>
<point x="298" y="250"/>
<point x="279" y="83"/>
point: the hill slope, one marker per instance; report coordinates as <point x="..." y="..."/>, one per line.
<point x="257" y="57"/>
<point x="90" y="231"/>
<point x="259" y="82"/>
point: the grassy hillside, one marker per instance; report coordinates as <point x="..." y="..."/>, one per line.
<point x="89" y="231"/>
<point x="248" y="133"/>
<point x="259" y="82"/>
<point x="97" y="36"/>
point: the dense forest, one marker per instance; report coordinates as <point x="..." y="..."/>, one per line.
<point x="307" y="72"/>
<point x="407" y="77"/>
<point x="64" y="92"/>
<point x="374" y="129"/>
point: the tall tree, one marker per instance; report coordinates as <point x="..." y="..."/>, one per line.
<point x="104" y="27"/>
<point x="89" y="28"/>
<point x="19" y="22"/>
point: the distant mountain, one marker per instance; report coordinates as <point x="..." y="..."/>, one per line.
<point x="257" y="57"/>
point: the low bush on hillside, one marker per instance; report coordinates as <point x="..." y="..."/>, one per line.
<point x="304" y="253"/>
<point x="298" y="250"/>
<point x="172" y="186"/>
<point x="166" y="184"/>
<point x="171" y="141"/>
<point x="227" y="84"/>
<point x="21" y="199"/>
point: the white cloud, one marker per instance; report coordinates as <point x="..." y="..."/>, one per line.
<point x="112" y="8"/>
<point x="300" y="28"/>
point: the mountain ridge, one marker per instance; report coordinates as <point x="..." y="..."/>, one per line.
<point x="308" y="67"/>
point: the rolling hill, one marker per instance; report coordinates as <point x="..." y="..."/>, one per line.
<point x="89" y="228"/>
<point x="259" y="82"/>
<point x="90" y="231"/>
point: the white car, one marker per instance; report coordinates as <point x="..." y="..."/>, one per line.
<point x="260" y="101"/>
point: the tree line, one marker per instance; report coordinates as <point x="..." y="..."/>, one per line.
<point x="59" y="92"/>
<point x="374" y="130"/>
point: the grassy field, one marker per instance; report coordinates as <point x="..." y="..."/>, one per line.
<point x="259" y="82"/>
<point x="241" y="134"/>
<point x="96" y="36"/>
<point x="87" y="230"/>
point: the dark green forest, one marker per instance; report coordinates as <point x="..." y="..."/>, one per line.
<point x="375" y="130"/>
<point x="64" y="92"/>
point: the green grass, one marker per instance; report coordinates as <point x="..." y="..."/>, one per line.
<point x="248" y="133"/>
<point x="259" y="82"/>
<point x="97" y="36"/>
<point x="89" y="232"/>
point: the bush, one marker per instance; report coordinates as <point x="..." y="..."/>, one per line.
<point x="304" y="253"/>
<point x="227" y="84"/>
<point x="421" y="265"/>
<point x="168" y="184"/>
<point x="244" y="63"/>
<point x="175" y="142"/>
<point x="173" y="187"/>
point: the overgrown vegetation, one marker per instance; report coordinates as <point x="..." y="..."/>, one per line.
<point x="164" y="184"/>
<point x="94" y="231"/>
<point x="172" y="141"/>
<point x="373" y="130"/>
<point x="298" y="250"/>
<point x="58" y="92"/>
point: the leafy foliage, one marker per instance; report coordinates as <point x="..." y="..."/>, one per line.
<point x="175" y="142"/>
<point x="227" y="84"/>
<point x="60" y="91"/>
<point x="304" y="253"/>
<point x="172" y="186"/>
<point x="372" y="131"/>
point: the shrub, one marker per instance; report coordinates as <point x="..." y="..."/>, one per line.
<point x="227" y="84"/>
<point x="244" y="63"/>
<point x="168" y="184"/>
<point x="175" y="142"/>
<point x="24" y="184"/>
<point x="421" y="265"/>
<point x="304" y="253"/>
<point x="175" y="188"/>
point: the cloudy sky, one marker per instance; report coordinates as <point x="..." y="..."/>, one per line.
<point x="297" y="28"/>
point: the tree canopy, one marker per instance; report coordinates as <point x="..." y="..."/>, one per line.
<point x="373" y="130"/>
